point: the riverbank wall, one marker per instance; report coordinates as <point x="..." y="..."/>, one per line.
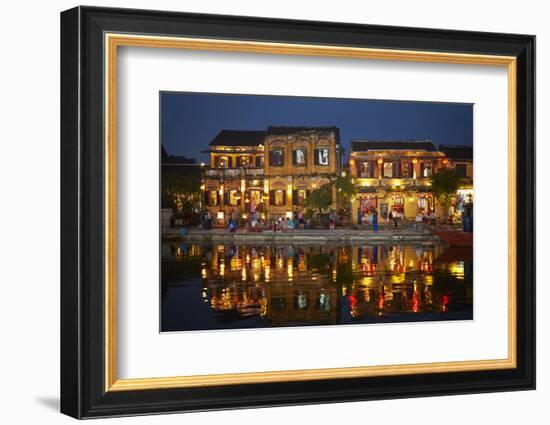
<point x="306" y="237"/>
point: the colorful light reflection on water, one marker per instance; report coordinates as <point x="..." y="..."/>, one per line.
<point x="228" y="286"/>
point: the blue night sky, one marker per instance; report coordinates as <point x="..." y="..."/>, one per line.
<point x="189" y="121"/>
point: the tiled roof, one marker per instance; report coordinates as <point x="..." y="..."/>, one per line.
<point x="367" y="145"/>
<point x="457" y="152"/>
<point x="238" y="138"/>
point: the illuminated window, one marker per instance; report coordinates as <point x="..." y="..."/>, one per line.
<point x="407" y="172"/>
<point x="213" y="198"/>
<point x="276" y="158"/>
<point x="255" y="199"/>
<point x="300" y="157"/>
<point x="279" y="198"/>
<point x="321" y="156"/>
<point x="388" y="169"/>
<point x="234" y="197"/>
<point x="426" y="169"/>
<point x="366" y="169"/>
<point x="243" y="161"/>
<point x="223" y="162"/>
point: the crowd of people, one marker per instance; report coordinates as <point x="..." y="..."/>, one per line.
<point x="255" y="223"/>
<point x="298" y="221"/>
<point x="393" y="217"/>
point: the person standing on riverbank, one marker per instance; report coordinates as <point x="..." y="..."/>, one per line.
<point x="301" y="220"/>
<point x="291" y="224"/>
<point x="232" y="227"/>
<point x="331" y="221"/>
<point x="375" y="220"/>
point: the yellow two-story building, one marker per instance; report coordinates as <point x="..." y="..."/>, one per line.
<point x="393" y="176"/>
<point x="269" y="172"/>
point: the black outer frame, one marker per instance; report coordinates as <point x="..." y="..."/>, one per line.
<point x="82" y="212"/>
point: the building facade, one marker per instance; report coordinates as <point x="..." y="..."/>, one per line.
<point x="461" y="159"/>
<point x="273" y="171"/>
<point x="270" y="172"/>
<point x="394" y="176"/>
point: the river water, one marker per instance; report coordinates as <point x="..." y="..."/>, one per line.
<point x="227" y="286"/>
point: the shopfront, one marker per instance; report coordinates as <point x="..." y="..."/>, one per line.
<point x="425" y="203"/>
<point x="254" y="200"/>
<point x="368" y="202"/>
<point x="397" y="204"/>
<point x="365" y="205"/>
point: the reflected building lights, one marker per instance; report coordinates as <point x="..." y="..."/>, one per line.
<point x="309" y="283"/>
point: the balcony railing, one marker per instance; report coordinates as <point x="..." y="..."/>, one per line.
<point x="254" y="171"/>
<point x="234" y="172"/>
<point x="393" y="181"/>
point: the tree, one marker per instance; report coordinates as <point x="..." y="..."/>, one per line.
<point x="320" y="199"/>
<point x="345" y="191"/>
<point x="444" y="184"/>
<point x="180" y="191"/>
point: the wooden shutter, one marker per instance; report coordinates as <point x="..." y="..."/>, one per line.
<point x="271" y="197"/>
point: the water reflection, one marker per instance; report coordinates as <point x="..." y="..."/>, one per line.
<point x="243" y="286"/>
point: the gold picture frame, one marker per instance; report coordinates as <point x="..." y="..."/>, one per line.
<point x="114" y="41"/>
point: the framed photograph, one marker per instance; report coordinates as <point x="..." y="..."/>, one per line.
<point x="261" y="212"/>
